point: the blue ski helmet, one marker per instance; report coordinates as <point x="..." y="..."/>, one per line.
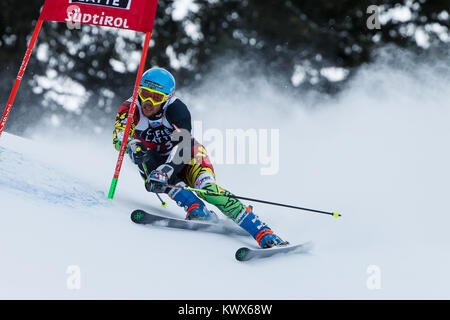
<point x="159" y="79"/>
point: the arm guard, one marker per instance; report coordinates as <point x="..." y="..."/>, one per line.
<point x="119" y="126"/>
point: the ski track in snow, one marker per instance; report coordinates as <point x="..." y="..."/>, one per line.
<point x="25" y="177"/>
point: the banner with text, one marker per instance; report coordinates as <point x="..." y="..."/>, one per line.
<point x="138" y="15"/>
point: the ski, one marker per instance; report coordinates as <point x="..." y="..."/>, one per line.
<point x="245" y="254"/>
<point x="143" y="217"/>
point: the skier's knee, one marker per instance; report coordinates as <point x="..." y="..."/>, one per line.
<point x="222" y="199"/>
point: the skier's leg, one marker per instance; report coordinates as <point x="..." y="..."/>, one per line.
<point x="195" y="208"/>
<point x="242" y="215"/>
<point x="200" y="174"/>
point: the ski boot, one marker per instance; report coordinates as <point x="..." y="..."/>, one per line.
<point x="195" y="208"/>
<point x="265" y="237"/>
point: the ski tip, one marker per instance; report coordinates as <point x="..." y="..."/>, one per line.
<point x="241" y="254"/>
<point x="336" y="214"/>
<point x="136" y="216"/>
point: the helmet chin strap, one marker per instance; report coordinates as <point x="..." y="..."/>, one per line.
<point x="156" y="116"/>
<point x="159" y="114"/>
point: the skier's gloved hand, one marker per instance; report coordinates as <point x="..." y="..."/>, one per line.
<point x="158" y="179"/>
<point x="117" y="144"/>
<point x="118" y="138"/>
<point x="137" y="150"/>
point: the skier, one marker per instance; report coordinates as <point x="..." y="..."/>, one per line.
<point x="157" y="116"/>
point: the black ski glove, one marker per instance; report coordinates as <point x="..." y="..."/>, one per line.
<point x="158" y="179"/>
<point x="137" y="150"/>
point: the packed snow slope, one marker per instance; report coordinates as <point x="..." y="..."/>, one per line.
<point x="378" y="154"/>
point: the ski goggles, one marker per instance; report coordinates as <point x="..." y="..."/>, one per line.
<point x="156" y="97"/>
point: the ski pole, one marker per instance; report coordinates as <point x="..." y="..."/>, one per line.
<point x="334" y="214"/>
<point x="163" y="203"/>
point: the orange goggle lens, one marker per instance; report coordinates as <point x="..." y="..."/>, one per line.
<point x="154" y="96"/>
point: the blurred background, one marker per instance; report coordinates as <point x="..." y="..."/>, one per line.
<point x="312" y="47"/>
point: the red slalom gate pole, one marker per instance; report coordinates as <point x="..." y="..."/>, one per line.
<point x="112" y="189"/>
<point x="13" y="94"/>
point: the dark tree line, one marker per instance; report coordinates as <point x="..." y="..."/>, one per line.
<point x="276" y="35"/>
